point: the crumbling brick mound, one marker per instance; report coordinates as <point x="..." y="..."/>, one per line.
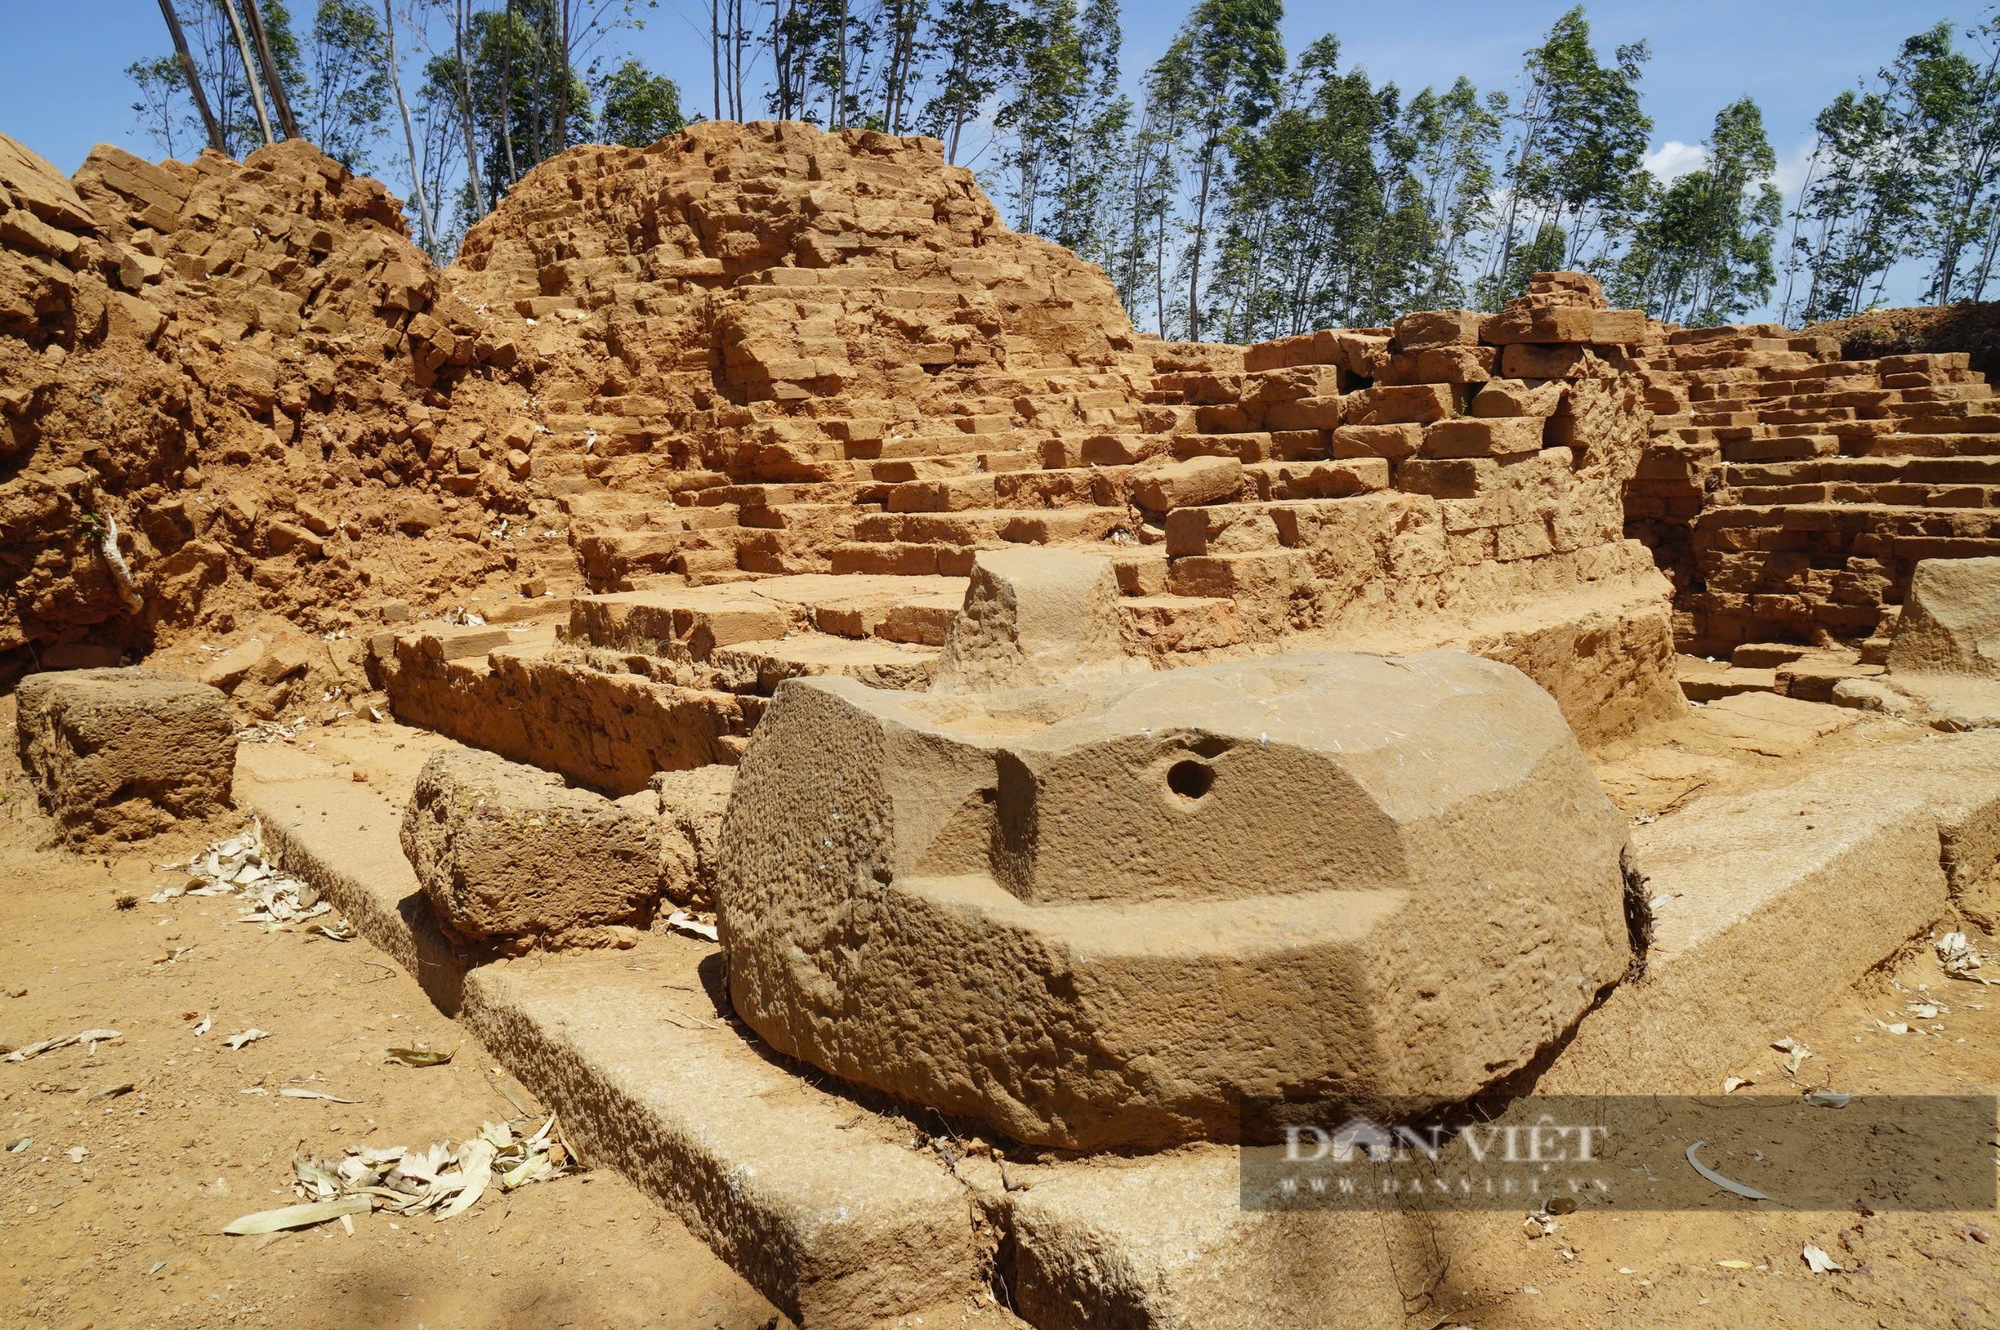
<point x="1108" y="914"/>
<point x="1972" y="327"/>
<point x="770" y="290"/>
<point x="224" y="388"/>
<point x="511" y="858"/>
<point x="122" y="754"/>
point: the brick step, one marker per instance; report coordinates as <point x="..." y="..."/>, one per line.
<point x="1166" y="623"/>
<point x="637" y="520"/>
<point x="690" y="625"/>
<point x="610" y="559"/>
<point x="901" y="559"/>
<point x="1884" y="522"/>
<point x="1707" y="680"/>
<point x="1903" y="495"/>
<point x="946" y="445"/>
<point x="769" y="493"/>
<point x="1102" y="450"/>
<point x="901" y="470"/>
<point x="1782" y="449"/>
<point x="1281" y="481"/>
<point x="1971" y="470"/>
<point x="1940" y="444"/>
<point x="984" y="528"/>
<point x="803" y="516"/>
<point x="1953" y="424"/>
<point x="1274" y="446"/>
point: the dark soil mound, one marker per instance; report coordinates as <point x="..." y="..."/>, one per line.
<point x="1970" y="327"/>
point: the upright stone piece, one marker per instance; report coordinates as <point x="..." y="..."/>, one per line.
<point x="1951" y="620"/>
<point x="118" y="755"/>
<point x="1034" y="616"/>
<point x="1101" y="915"/>
<point x="510" y="857"/>
<point x="691" y="804"/>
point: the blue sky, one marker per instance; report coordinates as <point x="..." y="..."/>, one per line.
<point x="62" y="86"/>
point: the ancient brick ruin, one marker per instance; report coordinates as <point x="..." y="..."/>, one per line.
<point x="999" y="717"/>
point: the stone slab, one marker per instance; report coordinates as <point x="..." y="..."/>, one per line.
<point x="838" y="1227"/>
<point x="1772" y="903"/>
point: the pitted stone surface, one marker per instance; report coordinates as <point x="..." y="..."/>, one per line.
<point x="509" y="855"/>
<point x="1099" y="915"/>
<point x="1951" y="622"/>
<point x="122" y="754"/>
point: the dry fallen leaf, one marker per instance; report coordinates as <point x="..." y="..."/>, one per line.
<point x="90" y="1039"/>
<point x="298" y="1216"/>
<point x="1818" y="1261"/>
<point x="421" y="1057"/>
<point x="683" y="922"/>
<point x="250" y="1036"/>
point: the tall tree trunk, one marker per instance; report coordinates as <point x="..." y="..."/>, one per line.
<point x="562" y="78"/>
<point x="781" y="69"/>
<point x="836" y="117"/>
<point x="424" y="218"/>
<point x="1200" y="239"/>
<point x="715" y="54"/>
<point x="249" y="69"/>
<point x="279" y="101"/>
<point x="742" y="31"/>
<point x="507" y="94"/>
<point x="193" y="76"/>
<point x="458" y="15"/>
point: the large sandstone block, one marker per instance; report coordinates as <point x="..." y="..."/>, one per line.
<point x="121" y="754"/>
<point x="1100" y="915"/>
<point x="510" y="856"/>
<point x="1951" y="620"/>
<point x="1034" y="616"/>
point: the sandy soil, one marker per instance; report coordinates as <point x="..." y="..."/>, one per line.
<point x="1902" y="1270"/>
<point x="129" y="1233"/>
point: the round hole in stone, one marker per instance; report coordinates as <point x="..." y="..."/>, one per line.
<point x="1190" y="779"/>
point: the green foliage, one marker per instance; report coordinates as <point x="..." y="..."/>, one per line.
<point x="1574" y="163"/>
<point x="640" y="107"/>
<point x="1242" y="196"/>
<point x="337" y="82"/>
<point x="163" y="109"/>
<point x="343" y="105"/>
<point x="1219" y="78"/>
<point x="975" y="39"/>
<point x="1701" y="254"/>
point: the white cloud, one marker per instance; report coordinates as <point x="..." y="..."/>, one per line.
<point x="1791" y="172"/>
<point x="1674" y="159"/>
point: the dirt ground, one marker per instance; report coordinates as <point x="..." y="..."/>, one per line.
<point x="1902" y="1269"/>
<point x="129" y="1232"/>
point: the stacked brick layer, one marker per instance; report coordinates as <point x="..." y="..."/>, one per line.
<point x="1791" y="493"/>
